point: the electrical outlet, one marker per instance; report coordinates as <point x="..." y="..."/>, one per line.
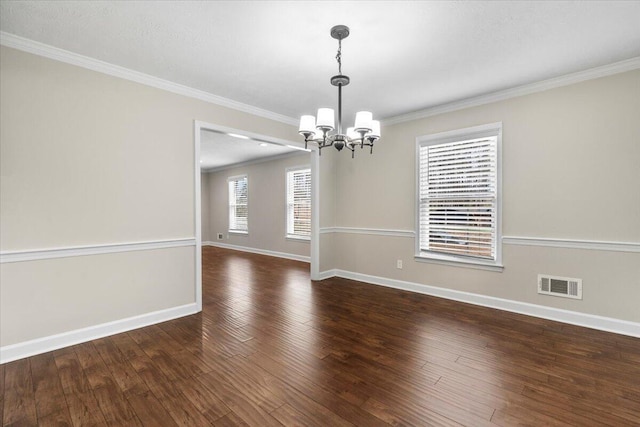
<point x="399" y="264"/>
<point x="220" y="236"/>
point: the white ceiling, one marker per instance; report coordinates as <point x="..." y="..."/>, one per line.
<point x="218" y="150"/>
<point x="279" y="56"/>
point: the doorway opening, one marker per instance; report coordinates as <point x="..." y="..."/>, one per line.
<point x="201" y="132"/>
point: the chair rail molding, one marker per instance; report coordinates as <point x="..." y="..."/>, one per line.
<point x="369" y="231"/>
<point x="598" y="245"/>
<point x="108" y="248"/>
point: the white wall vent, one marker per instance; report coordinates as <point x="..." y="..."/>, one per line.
<point x="560" y="286"/>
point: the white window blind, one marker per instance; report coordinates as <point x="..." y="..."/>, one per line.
<point x="238" y="204"/>
<point x="458" y="197"/>
<point x="299" y="203"/>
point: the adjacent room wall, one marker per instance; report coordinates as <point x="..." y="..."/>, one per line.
<point x="267" y="206"/>
<point x="91" y="162"/>
<point x="571" y="171"/>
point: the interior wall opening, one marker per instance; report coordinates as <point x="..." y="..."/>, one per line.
<point x="221" y="150"/>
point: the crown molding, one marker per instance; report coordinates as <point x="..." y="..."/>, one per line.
<point x="527" y="89"/>
<point x="47" y="51"/>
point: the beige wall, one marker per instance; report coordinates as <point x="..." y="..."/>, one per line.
<point x="47" y="297"/>
<point x="571" y="170"/>
<point x="328" y="162"/>
<point x="91" y="159"/>
<point x="207" y="235"/>
<point x="267" y="205"/>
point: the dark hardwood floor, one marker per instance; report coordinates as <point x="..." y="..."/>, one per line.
<point x="273" y="348"/>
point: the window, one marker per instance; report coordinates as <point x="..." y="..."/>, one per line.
<point x="459" y="186"/>
<point x="299" y="203"/>
<point x="238" y="204"/>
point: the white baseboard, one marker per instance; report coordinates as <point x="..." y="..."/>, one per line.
<point x="42" y="345"/>
<point x="607" y="324"/>
<point x="327" y="274"/>
<point x="285" y="255"/>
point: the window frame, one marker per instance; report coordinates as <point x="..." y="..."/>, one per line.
<point x="482" y="131"/>
<point x="288" y="235"/>
<point x="230" y="206"/>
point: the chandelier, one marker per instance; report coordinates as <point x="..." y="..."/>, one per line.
<point x="320" y="130"/>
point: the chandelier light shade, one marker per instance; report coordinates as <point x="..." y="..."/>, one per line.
<point x="321" y="129"/>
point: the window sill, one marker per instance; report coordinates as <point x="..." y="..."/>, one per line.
<point x="239" y="232"/>
<point x="459" y="262"/>
<point x="298" y="238"/>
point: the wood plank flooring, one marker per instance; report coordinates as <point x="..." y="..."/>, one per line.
<point x="272" y="348"/>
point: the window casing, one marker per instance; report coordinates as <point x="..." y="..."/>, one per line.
<point x="299" y="203"/>
<point x="238" y="204"/>
<point x="458" y="184"/>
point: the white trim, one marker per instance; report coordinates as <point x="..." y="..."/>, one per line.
<point x="527" y="89"/>
<point x="230" y="179"/>
<point x="197" y="213"/>
<point x="481" y="131"/>
<point x="47" y="51"/>
<point x="53" y="342"/>
<point x="327" y="274"/>
<point x="267" y="252"/>
<point x="296" y="238"/>
<point x="608" y="324"/>
<point x="369" y="231"/>
<point x="298" y="168"/>
<point x="453" y="261"/>
<point x="314" y="249"/>
<point x="74" y="251"/>
<point x="287" y="220"/>
<point x="237" y="177"/>
<point x="598" y="245"/>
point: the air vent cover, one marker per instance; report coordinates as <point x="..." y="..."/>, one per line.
<point x="560" y="286"/>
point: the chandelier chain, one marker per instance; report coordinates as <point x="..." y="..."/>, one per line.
<point x="339" y="56"/>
